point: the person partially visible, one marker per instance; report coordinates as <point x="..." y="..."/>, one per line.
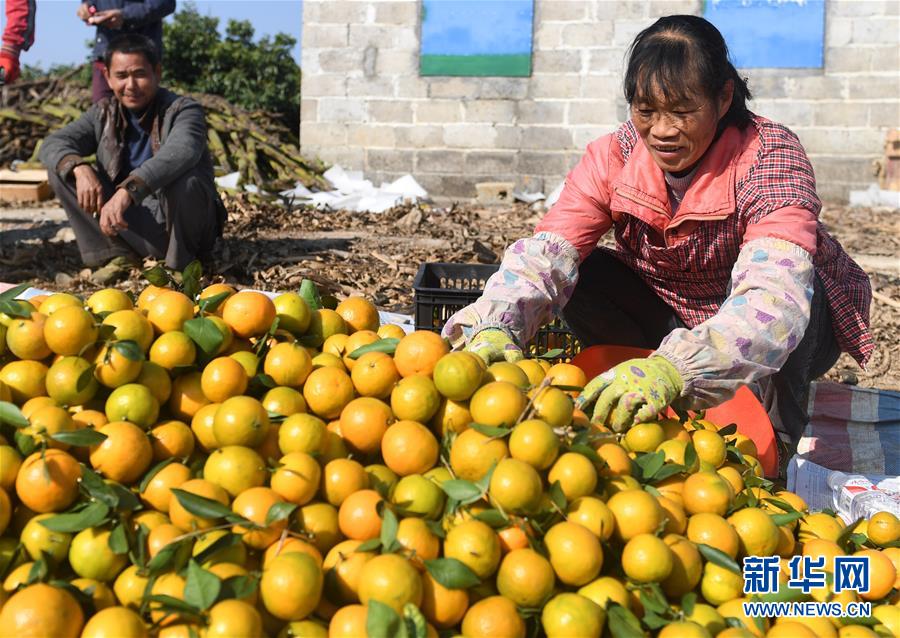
<point x="18" y="36"/>
<point x="152" y="192"/>
<point x="114" y="18"/>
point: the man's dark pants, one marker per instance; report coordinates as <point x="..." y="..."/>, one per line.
<point x="178" y="223"/>
<point x="612" y="305"/>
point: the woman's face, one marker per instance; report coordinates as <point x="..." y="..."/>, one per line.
<point x="677" y="132"/>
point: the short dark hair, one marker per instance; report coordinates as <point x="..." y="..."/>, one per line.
<point x="684" y="48"/>
<point x="132" y="43"/>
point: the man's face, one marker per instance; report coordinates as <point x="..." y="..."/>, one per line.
<point x="678" y="132"/>
<point x="133" y="80"/>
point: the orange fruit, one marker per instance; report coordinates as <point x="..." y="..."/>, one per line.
<point x="509" y="372"/>
<point x="47" y="421"/>
<point x="575" y="473"/>
<point x="451" y="416"/>
<point x="687" y="566"/>
<point x="202" y="426"/>
<point x="819" y="525"/>
<point x="187" y="396"/>
<point x="131" y="325"/>
<point x="184" y="520"/>
<point x="593" y="514"/>
<point x="25" y="338"/>
<point x="70" y="330"/>
<point x="173" y="350"/>
<point x="323" y="324"/>
<point x="419" y="352"/>
<point x="569" y="614"/>
<point x="289" y="364"/>
<point x="354" y="342"/>
<point x="567" y="374"/>
<point x="341" y="478"/>
<point x="364" y="422"/>
<point x="526" y="578"/>
<point x="474" y="544"/>
<point x="390" y="331"/>
<point x="348" y="622"/>
<point x="374" y="375"/>
<point x="707" y="492"/>
<point x="101" y="594"/>
<point x="254" y="504"/>
<point x="302" y="433"/>
<point x="108" y="300"/>
<point x="125" y="454"/>
<point x="248" y="313"/>
<point x="457" y="375"/>
<point x="290" y="544"/>
<point x="134" y="403"/>
<point x="48" y="484"/>
<point x="607" y="589"/>
<point x="161" y="536"/>
<point x="158" y="492"/>
<point x="408" y="447"/>
<point x="473" y="454"/>
<point x="24" y="379"/>
<point x="418" y="541"/>
<point x="532" y="370"/>
<point x="240" y="420"/>
<point x="515" y="486"/>
<point x="883" y="528"/>
<point x="757" y="532"/>
<point x="392" y="580"/>
<point x="359" y="313"/>
<point x="229" y="618"/>
<point x="41" y="610"/>
<point x="293" y="313"/>
<point x="223" y="378"/>
<point x="327" y="391"/>
<point x="553" y="406"/>
<point x="157" y="379"/>
<point x="148" y="294"/>
<point x="882" y="574"/>
<point x="169" y="311"/>
<point x="493" y="616"/>
<point x="90" y="555"/>
<point x="415" y="398"/>
<point x="283" y="401"/>
<point x="647" y="559"/>
<point x="713" y="530"/>
<point x="636" y="512"/>
<point x="497" y="404"/>
<point x="235" y="468"/>
<point x="297" y="478"/>
<point x="574" y="552"/>
<point x="442" y="607"/>
<point x="10" y="462"/>
<point x="358" y="517"/>
<point x="644" y="437"/>
<point x="710" y="447"/>
<point x="291" y="586"/>
<point x="171" y="438"/>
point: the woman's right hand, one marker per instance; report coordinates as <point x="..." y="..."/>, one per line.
<point x="493" y="344"/>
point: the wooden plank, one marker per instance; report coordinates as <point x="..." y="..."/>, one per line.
<point x="31" y="175"/>
<point x="25" y="192"/>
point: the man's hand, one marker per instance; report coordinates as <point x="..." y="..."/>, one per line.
<point x="111" y="19"/>
<point x="493" y="344"/>
<point x="88" y="189"/>
<point x="84" y="12"/>
<point x="112" y="215"/>
<point x="9" y="68"/>
<point x="632" y="392"/>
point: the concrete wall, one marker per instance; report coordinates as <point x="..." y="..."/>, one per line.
<point x="365" y="106"/>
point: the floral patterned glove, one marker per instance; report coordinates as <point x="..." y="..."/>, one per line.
<point x="632" y="392"/>
<point x="493" y="344"/>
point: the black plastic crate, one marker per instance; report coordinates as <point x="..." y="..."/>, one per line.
<point x="441" y="289"/>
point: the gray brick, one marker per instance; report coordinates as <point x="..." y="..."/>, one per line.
<point x="411" y="87"/>
<point x="350" y="157"/>
<point x="383" y="36"/>
<point x="371" y="87"/>
<point x="403" y="13"/>
<point x="493" y="111"/>
<point x="584" y="135"/>
<point x="317" y="134"/>
<point x="555" y="86"/>
<point x="537" y="163"/>
<point x="442" y="161"/>
<point x="504" y="88"/>
<point x="448" y="187"/>
<point x="546" y="137"/>
<point x="309" y="60"/>
<point x="508" y="136"/>
<point x="548" y="35"/>
<point x="341" y="110"/>
<point x="884" y="114"/>
<point x="764" y="84"/>
<point x="438" y="111"/>
<point x="882" y="57"/>
<point x="862" y="8"/>
<point x="453" y="87"/>
<point x="815" y="87"/>
<point x="560" y="11"/>
<point x="557" y="62"/>
<point x="600" y="87"/>
<point x="325" y="36"/>
<point x="541" y="112"/>
<point x="840" y="114"/>
<point x="342" y="12"/>
<point x="848" y="59"/>
<point x="624" y="10"/>
<point x="340" y="60"/>
<point x="490" y="162"/>
<point x="791" y="113"/>
<point x="660" y="8"/>
<point x="419" y="136"/>
<point x="590" y="34"/>
<point x="470" y="135"/>
<point x="390" y="111"/>
<point x="608" y="60"/>
<point x="871" y="31"/>
<point x="625" y="30"/>
<point x="862" y="141"/>
<point x="371" y="136"/>
<point x="592" y="112"/>
<point x="866" y="87"/>
<point x="390" y="160"/>
<point x="390" y="62"/>
<point x="309" y="110"/>
<point x="838" y="32"/>
<point x="323" y="85"/>
<point x="311" y="10"/>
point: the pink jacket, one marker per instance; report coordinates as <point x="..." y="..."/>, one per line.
<point x="736" y="262"/>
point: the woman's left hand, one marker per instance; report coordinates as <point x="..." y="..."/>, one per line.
<point x="632" y="392"/>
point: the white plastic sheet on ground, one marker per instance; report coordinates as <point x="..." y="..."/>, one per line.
<point x="351" y="191"/>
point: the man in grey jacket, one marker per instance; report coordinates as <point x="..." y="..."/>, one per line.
<point x="152" y="191"/>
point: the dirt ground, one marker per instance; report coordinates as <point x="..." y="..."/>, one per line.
<point x="271" y="247"/>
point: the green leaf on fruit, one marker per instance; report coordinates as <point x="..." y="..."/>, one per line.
<point x="452" y="573"/>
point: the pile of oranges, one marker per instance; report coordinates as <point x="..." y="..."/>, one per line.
<point x="226" y="464"/>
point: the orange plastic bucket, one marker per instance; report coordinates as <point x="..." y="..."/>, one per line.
<point x="744" y="408"/>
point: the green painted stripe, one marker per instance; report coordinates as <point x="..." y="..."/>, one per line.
<point x="518" y="65"/>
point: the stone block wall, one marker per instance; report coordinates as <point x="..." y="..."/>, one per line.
<point x="365" y="106"/>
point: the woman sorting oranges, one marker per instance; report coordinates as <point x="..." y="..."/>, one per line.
<point x="720" y="265"/>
